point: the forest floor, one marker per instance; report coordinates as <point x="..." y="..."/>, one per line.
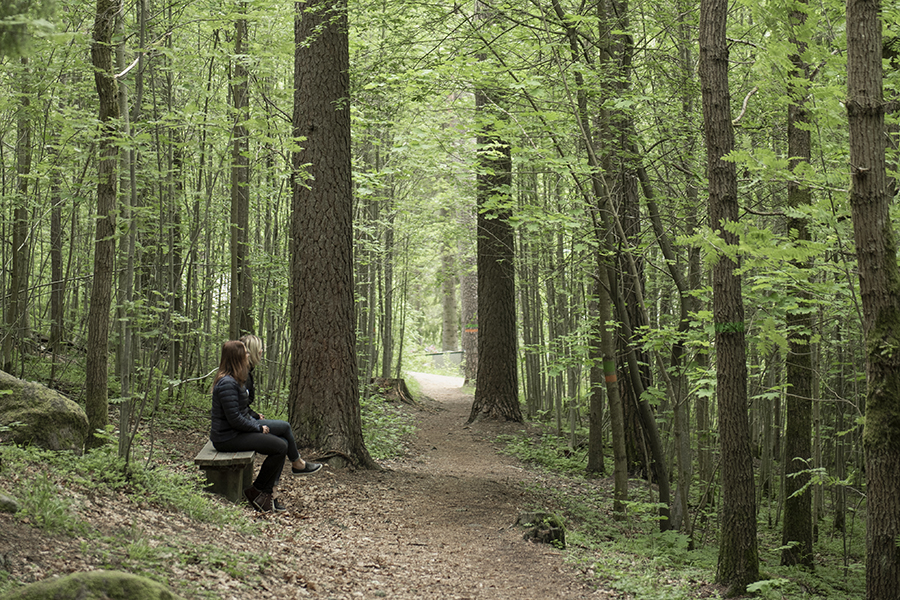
<point x="435" y="524"/>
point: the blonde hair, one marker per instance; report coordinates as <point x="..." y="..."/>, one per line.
<point x="254" y="347"/>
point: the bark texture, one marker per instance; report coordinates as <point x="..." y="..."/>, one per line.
<point x="96" y="375"/>
<point x="324" y="392"/>
<point x="797" y="534"/>
<point x="241" y="320"/>
<point x="497" y="388"/>
<point x="879" y="283"/>
<point x="738" y="563"/>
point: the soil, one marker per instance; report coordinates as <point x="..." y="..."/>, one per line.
<point x="435" y="524"/>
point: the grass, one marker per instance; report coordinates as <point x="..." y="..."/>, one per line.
<point x="634" y="557"/>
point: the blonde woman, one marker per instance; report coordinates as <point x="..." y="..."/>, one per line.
<point x="254" y="348"/>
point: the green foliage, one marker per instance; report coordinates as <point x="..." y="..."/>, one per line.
<point x="102" y="470"/>
<point x="770" y="588"/>
<point x="385" y="427"/>
<point x="43" y="506"/>
<point x="413" y="149"/>
<point x="548" y="451"/>
<point x="635" y="558"/>
<point x="20" y="21"/>
<point x="51" y="487"/>
<point x="141" y="552"/>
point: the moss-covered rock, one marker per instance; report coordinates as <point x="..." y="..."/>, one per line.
<point x="94" y="585"/>
<point x="8" y="504"/>
<point x="48" y="419"/>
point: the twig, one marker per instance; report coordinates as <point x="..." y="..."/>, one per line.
<point x="177" y="383"/>
<point x="744" y="107"/>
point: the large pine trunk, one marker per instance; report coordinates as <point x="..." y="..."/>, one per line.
<point x="324" y="390"/>
<point x="497" y="388"/>
<point x="879" y="283"/>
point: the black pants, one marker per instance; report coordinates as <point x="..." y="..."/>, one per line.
<point x="274" y="447"/>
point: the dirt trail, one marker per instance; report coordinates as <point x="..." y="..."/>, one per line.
<point x="435" y="525"/>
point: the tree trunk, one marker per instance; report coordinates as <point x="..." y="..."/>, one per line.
<point x="324" y="392"/>
<point x="616" y="416"/>
<point x="595" y="353"/>
<point x="797" y="534"/>
<point x="128" y="174"/>
<point x="102" y="54"/>
<point x="17" y="307"/>
<point x="468" y="294"/>
<point x="879" y="282"/>
<point x="57" y="283"/>
<point x="387" y="311"/>
<point x="241" y="283"/>
<point x="449" y="280"/>
<point x="738" y="563"/>
<point x="497" y="389"/>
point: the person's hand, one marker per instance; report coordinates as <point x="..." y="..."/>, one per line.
<point x="265" y="429"/>
<point x="261" y="417"/>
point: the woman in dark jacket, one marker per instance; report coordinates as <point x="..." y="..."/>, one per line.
<point x="234" y="429"/>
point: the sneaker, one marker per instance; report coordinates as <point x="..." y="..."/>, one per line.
<point x="279" y="507"/>
<point x="264" y="503"/>
<point x="309" y="469"/>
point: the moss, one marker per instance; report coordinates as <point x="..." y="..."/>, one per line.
<point x="95" y="585"/>
<point x="50" y="420"/>
<point x="882" y="428"/>
<point x="545" y="527"/>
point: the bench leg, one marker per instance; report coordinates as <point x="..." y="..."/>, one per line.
<point x="229" y="482"/>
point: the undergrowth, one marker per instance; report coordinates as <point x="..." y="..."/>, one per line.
<point x="53" y="489"/>
<point x="385" y="427"/>
<point x="633" y="556"/>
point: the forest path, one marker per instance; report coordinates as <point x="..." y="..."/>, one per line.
<point x="435" y="524"/>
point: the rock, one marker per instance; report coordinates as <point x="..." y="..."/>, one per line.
<point x="544" y="527"/>
<point x="49" y="419"/>
<point x="94" y="585"/>
<point x="8" y="504"/>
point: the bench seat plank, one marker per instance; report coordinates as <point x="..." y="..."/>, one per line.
<point x="228" y="474"/>
<point x="209" y="456"/>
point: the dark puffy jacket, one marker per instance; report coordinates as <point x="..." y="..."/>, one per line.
<point x="230" y="413"/>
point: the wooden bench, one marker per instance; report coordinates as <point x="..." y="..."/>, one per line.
<point x="227" y="473"/>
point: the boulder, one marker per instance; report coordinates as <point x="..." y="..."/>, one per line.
<point x="93" y="585"/>
<point x="8" y="504"/>
<point x="48" y="419"/>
